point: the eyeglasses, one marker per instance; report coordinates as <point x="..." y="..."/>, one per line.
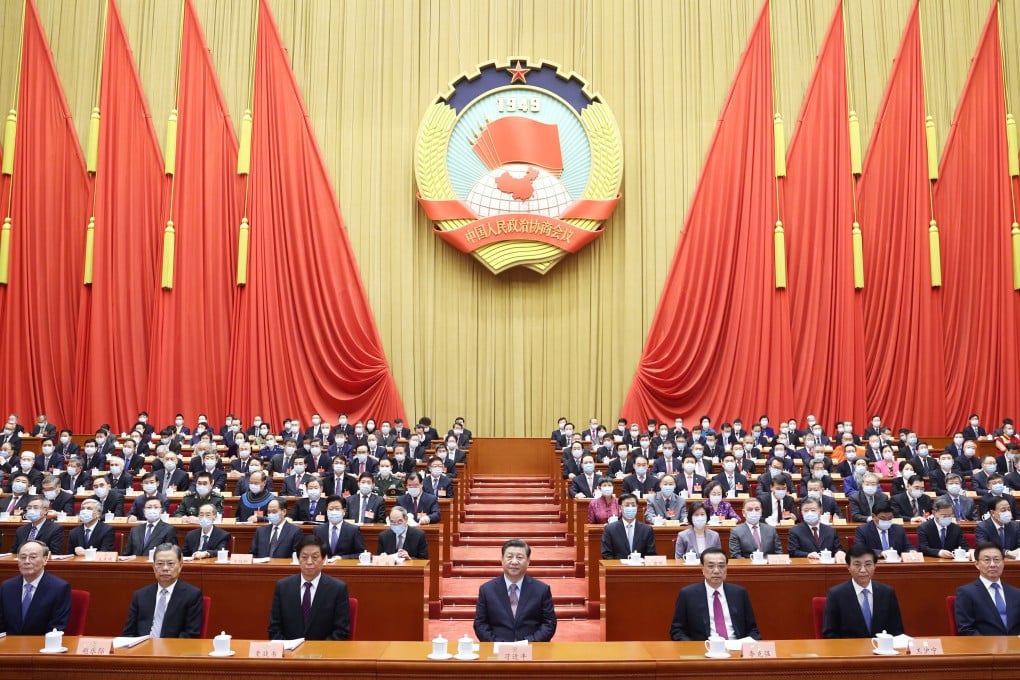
<point x="30" y="557"/>
<point x="990" y="560"/>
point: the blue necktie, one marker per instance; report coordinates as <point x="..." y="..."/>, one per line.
<point x="27" y="600"/>
<point x="942" y="536"/>
<point x="1000" y="605"/>
<point x="885" y="540"/>
<point x="866" y="609"/>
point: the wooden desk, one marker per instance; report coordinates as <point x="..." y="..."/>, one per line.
<point x="989" y="657"/>
<point x="639" y="601"/>
<point x="390" y="599"/>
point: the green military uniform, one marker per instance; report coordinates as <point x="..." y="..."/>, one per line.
<point x="390" y="486"/>
<point x="191" y="502"/>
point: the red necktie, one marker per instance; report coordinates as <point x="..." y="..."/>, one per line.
<point x="720" y="618"/>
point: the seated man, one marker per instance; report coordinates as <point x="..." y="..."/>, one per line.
<point x="169" y="608"/>
<point x="92" y="532"/>
<point x="861" y="607"/>
<point x="640" y="483"/>
<point x="436" y="483"/>
<point x="402" y="540"/>
<point x="861" y="503"/>
<point x="620" y="539"/>
<point x="810" y="537"/>
<point x="388" y="484"/>
<point x="75" y="477"/>
<point x="729" y="478"/>
<point x="515" y="606"/>
<point x="60" y="500"/>
<point x="939" y="536"/>
<point x="342" y="539"/>
<point x="278" y="538"/>
<point x="311" y="508"/>
<point x="150" y="489"/>
<point x="776" y="503"/>
<point x="586" y="484"/>
<point x="152" y="533"/>
<point x="49" y="597"/>
<point x="753" y="534"/>
<point x="16" y="503"/>
<point x="206" y="540"/>
<point x="814" y="489"/>
<point x="913" y="505"/>
<point x="996" y="489"/>
<point x="1000" y="529"/>
<point x="38" y="528"/>
<point x="324" y="612"/>
<point x="251" y="505"/>
<point x="204" y="493"/>
<point x="713" y="607"/>
<point x="881" y="534"/>
<point x="423" y="507"/>
<point x="367" y="507"/>
<point x="666" y="504"/>
<point x="988" y="606"/>
<point x="296" y="480"/>
<point x="964" y="509"/>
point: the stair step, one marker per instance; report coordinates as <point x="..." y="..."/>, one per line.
<point x="494" y="571"/>
<point x="514" y="508"/>
<point x="547" y="557"/>
<point x="485" y="518"/>
<point x="467" y="612"/>
<point x="496" y="541"/>
<point x="523" y="528"/>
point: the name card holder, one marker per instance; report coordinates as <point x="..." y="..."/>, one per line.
<point x="106" y="556"/>
<point x="514" y="653"/>
<point x="777" y="559"/>
<point x="758" y="650"/>
<point x="384" y="560"/>
<point x="839" y="521"/>
<point x="228" y="520"/>
<point x="265" y="650"/>
<point x="120" y="520"/>
<point x="925" y="647"/>
<point x="241" y="558"/>
<point x="912" y="556"/>
<point x="90" y="646"/>
<point x="655" y="560"/>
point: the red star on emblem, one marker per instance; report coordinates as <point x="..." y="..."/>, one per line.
<point x="518" y="72"/>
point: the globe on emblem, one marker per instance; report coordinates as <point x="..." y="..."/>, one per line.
<point x="518" y="188"/>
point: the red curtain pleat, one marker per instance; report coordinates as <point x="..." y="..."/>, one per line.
<point x="304" y="335"/>
<point x="116" y="312"/>
<point x="973" y="204"/>
<point x="902" y="314"/>
<point x="49" y="205"/>
<point x="189" y="354"/>
<point x="720" y="340"/>
<point x="826" y="311"/>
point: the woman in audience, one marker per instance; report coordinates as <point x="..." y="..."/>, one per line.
<point x="907" y="473"/>
<point x="604" y="506"/>
<point x="852" y="483"/>
<point x="887" y="466"/>
<point x="715" y="505"/>
<point x="698" y="537"/>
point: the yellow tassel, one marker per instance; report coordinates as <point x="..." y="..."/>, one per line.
<point x="935" y="254"/>
<point x="5" y="252"/>
<point x="170" y="161"/>
<point x="242" y="253"/>
<point x="779" y="138"/>
<point x="90" y="249"/>
<point x="1016" y="256"/>
<point x="10" y="137"/>
<point x="855" y="144"/>
<point x="1011" y="146"/>
<point x="92" y="150"/>
<point x="169" y="243"/>
<point x="933" y="152"/>
<point x="244" y="145"/>
<point x="780" y="241"/>
<point x="858" y="249"/>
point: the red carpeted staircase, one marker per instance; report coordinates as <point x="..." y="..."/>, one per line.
<point x="500" y="508"/>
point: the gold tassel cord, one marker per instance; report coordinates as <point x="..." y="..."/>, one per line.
<point x="856" y="158"/>
<point x="935" y="254"/>
<point x="1011" y="146"/>
<point x="1015" y="236"/>
<point x="244" y="157"/>
<point x="170" y="160"/>
<point x="780" y="253"/>
<point x="779" y="140"/>
<point x="92" y="147"/>
<point x="5" y="252"/>
<point x="90" y="250"/>
<point x="242" y="252"/>
<point x="244" y="145"/>
<point x="932" y="147"/>
<point x="858" y="250"/>
<point x="169" y="246"/>
<point x="10" y="137"/>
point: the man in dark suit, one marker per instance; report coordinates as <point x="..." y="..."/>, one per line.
<point x="38" y="528"/>
<point x="620" y="539"/>
<point x="92" y="532"/>
<point x="754" y="534"/>
<point x="436" y="483"/>
<point x="342" y="539"/>
<point x="171" y="477"/>
<point x="44" y="428"/>
<point x="713" y="607"/>
<point x="974" y="430"/>
<point x="324" y="612"/>
<point x="776" y="503"/>
<point x="278" y="538"/>
<point x="586" y="484"/>
<point x="366" y="507"/>
<point x="60" y="500"/>
<point x="35" y="602"/>
<point x="988" y="606"/>
<point x="1000" y="529"/>
<point x="862" y="502"/>
<point x="402" y="540"/>
<point x="515" y="606"/>
<point x="940" y="535"/>
<point x="153" y="532"/>
<point x="880" y="534"/>
<point x="423" y="507"/>
<point x="963" y="508"/>
<point x="75" y="476"/>
<point x="810" y="537"/>
<point x="861" y="607"/>
<point x="312" y="507"/>
<point x="207" y="539"/>
<point x="913" y="505"/>
<point x="169" y="608"/>
<point x="640" y="483"/>
<point x="997" y="490"/>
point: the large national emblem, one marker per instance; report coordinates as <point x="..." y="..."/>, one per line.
<point x="518" y="165"/>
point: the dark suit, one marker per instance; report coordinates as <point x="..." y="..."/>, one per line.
<point x="427" y="503"/>
<point x="967" y="507"/>
<point x="802" y="541"/>
<point x="375" y="508"/>
<point x="300" y="510"/>
<point x="985" y="500"/>
<point x="49" y="533"/>
<point x="579" y="485"/>
<point x="767" y="506"/>
<point x="414" y="543"/>
<point x="988" y="532"/>
<point x="843" y="617"/>
<point x="50" y="607"/>
<point x="101" y="538"/>
<point x="161" y="533"/>
<point x="976" y="613"/>
<point x="218" y="540"/>
<point x="632" y="484"/>
<point x="138" y="506"/>
<point x="349" y="541"/>
<point x="739" y="482"/>
<point x="614" y="540"/>
<point x="183" y="617"/>
<point x="440" y="489"/>
<point x="902" y="509"/>
<point x="535" y="620"/>
<point x="84" y="480"/>
<point x="691" y="615"/>
<point x="330" y="616"/>
<point x="868" y="535"/>
<point x="178" y="479"/>
<point x="292" y="484"/>
<point x="286" y="543"/>
<point x="860" y="508"/>
<point x="929" y="538"/>
<point x="64" y="502"/>
<point x="742" y="540"/>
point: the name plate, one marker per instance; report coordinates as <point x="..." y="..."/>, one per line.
<point x="839" y="521"/>
<point x="120" y="520"/>
<point x="241" y="559"/>
<point x="265" y="650"/>
<point x="228" y="520"/>
<point x="777" y="559"/>
<point x="758" y="650"/>
<point x="912" y="556"/>
<point x="786" y="522"/>
<point x="655" y="560"/>
<point x="925" y="647"/>
<point x="384" y="560"/>
<point x="94" y="646"/>
<point x="106" y="556"/>
<point x="728" y="523"/>
<point x="514" y="653"/>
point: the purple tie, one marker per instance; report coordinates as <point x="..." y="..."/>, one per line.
<point x="513" y="599"/>
<point x="306" y="602"/>
<point x="720" y="618"/>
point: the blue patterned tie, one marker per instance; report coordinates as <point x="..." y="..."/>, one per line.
<point x="27" y="600"/>
<point x="866" y="609"/>
<point x="1000" y="604"/>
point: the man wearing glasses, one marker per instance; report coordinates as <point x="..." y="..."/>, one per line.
<point x="35" y="602"/>
<point x="988" y="606"/>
